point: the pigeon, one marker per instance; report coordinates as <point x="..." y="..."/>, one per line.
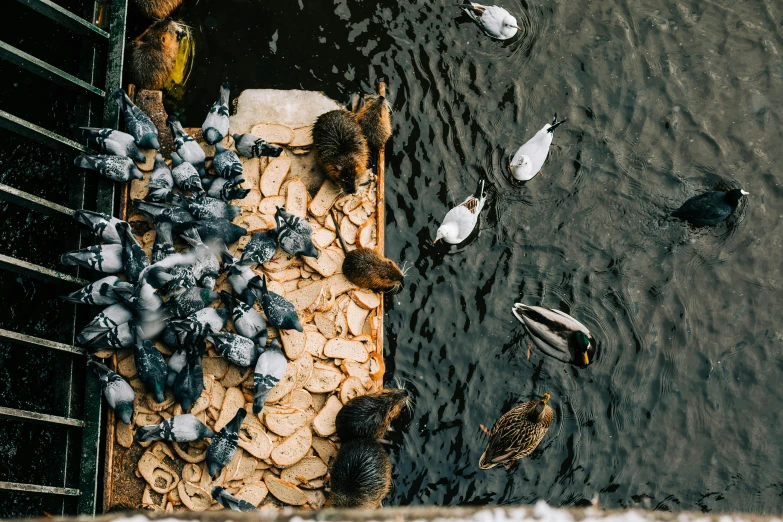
<point x="164" y="242"/>
<point x="161" y="181"/>
<point x="174" y="214"/>
<point x="251" y="146"/>
<point x="103" y="258"/>
<point x="102" y="225"/>
<point x="495" y="21"/>
<point x="114" y="142"/>
<point x="206" y="267"/>
<point x="115" y="168"/>
<point x="224" y="445"/>
<point x="119" y="394"/>
<point x="294" y="234"/>
<point x="187" y="148"/>
<point x="270" y="368"/>
<point x="229" y="501"/>
<point x="710" y="208"/>
<point x="209" y="208"/>
<point x="134" y="258"/>
<point x="180" y="428"/>
<point x="189" y="382"/>
<point x="280" y="313"/>
<point x="215" y="126"/>
<point x="142" y="300"/>
<point x="461" y="220"/>
<point x="139" y="125"/>
<point x="198" y="324"/>
<point x="116" y="338"/>
<point x="260" y="249"/>
<point x="530" y="157"/>
<point x="178" y="359"/>
<point x="239" y="277"/>
<point x="247" y="321"/>
<point x="237" y="349"/>
<point x="226" y="162"/>
<point x="150" y="365"/>
<point x="169" y="279"/>
<point x="98" y="293"/>
<point x="111" y="317"/>
<point x="222" y="230"/>
<point x="190" y="301"/>
<point x="225" y="189"/>
<point x="185" y="175"/>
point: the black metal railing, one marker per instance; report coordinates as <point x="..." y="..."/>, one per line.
<point x="93" y="85"/>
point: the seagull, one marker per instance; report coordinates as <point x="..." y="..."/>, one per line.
<point x="495" y="21"/>
<point x="461" y="220"/>
<point x="530" y="157"/>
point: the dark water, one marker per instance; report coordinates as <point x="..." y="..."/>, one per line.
<point x="664" y="99"/>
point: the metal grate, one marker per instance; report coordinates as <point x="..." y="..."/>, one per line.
<point x="109" y="38"/>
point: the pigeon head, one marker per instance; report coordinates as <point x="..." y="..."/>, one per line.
<point x="135" y="172"/>
<point x="125" y="412"/>
<point x="448" y="232"/>
<point x="522" y="168"/>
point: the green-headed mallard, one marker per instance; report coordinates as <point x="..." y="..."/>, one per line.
<point x="557" y="334"/>
<point x="517" y="433"/>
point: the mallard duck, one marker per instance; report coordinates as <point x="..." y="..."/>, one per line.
<point x="517" y="433"/>
<point x="557" y="334"/>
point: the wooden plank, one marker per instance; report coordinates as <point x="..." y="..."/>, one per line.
<point x="31" y="416"/>
<point x="66" y="18"/>
<point x="34" y="488"/>
<point x="49" y="72"/>
<point x="32" y="202"/>
<point x="380" y="221"/>
<point x="38" y="272"/>
<point x="34" y="132"/>
<point x="37" y="342"/>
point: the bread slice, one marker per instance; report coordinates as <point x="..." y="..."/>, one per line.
<point x="284" y="491"/>
<point x="274" y="174"/>
<point x="365" y="299"/>
<point x="303" y="137"/>
<point x="325" y="448"/>
<point x="305" y="298"/>
<point x="233" y="402"/>
<point x="324" y="379"/>
<point x="255" y="441"/>
<point x="283" y="387"/>
<point x="356" y="317"/>
<point x="255" y="493"/>
<point x="296" y="197"/>
<point x="273" y="133"/>
<point x="309" y="468"/>
<point x="365" y="236"/>
<point x="325" y="198"/>
<point x="304" y="368"/>
<point x="301" y="399"/>
<point x="285" y="423"/>
<point x="344" y="349"/>
<point x="323" y="237"/>
<point x="293" y="449"/>
<point x="348" y="230"/>
<point x="323" y="264"/>
<point x="315" y="343"/>
<point x="323" y="423"/>
<point x="269" y="205"/>
<point x="351" y="387"/>
<point x="293" y="343"/>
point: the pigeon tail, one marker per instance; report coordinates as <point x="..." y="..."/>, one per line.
<point x="148" y="433"/>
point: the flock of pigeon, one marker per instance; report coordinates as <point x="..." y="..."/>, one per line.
<point x="136" y="312"/>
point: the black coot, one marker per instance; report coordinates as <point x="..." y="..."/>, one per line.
<point x="709" y="208"/>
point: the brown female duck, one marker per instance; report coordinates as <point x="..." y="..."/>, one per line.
<point x="517" y="433"/>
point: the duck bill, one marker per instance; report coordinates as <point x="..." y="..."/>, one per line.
<point x="585" y="359"/>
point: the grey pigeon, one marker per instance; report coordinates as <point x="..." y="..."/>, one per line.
<point x="151" y="367"/>
<point x="103" y="258"/>
<point x="175" y="214"/>
<point x="260" y="249"/>
<point x="185" y="175"/>
<point x="209" y="208"/>
<point x="111" y="317"/>
<point x="161" y="181"/>
<point x="198" y="324"/>
<point x="143" y="300"/>
<point x="215" y="126"/>
<point x="116" y="338"/>
<point x="225" y="189"/>
<point x="164" y="241"/>
<point x="206" y="266"/>
<point x="251" y="146"/>
<point x="225" y="231"/>
<point x="239" y="276"/>
<point x="294" y="234"/>
<point x="187" y="148"/>
<point x="189" y="382"/>
<point x="102" y="225"/>
<point x="98" y="293"/>
<point x="247" y="321"/>
<point x="224" y="445"/>
<point x="495" y="21"/>
<point x="190" y="301"/>
<point x="170" y="279"/>
<point x="280" y="313"/>
<point x="177" y="361"/>
<point x="229" y="501"/>
<point x="113" y="142"/>
<point x="139" y="125"/>
<point x="119" y="394"/>
<point x="226" y="162"/>
<point x="134" y="258"/>
<point x="270" y="368"/>
<point x="115" y="168"/>
<point x="180" y="428"/>
<point x="237" y="349"/>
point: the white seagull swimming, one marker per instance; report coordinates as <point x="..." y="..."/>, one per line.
<point x="461" y="220"/>
<point x="530" y="157"/>
<point x="495" y="21"/>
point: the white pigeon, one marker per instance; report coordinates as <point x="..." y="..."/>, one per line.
<point x="495" y="21"/>
<point x="530" y="157"/>
<point x="461" y="220"/>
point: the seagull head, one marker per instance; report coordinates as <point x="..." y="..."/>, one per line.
<point x="510" y="26"/>
<point x="522" y="169"/>
<point x="449" y="232"/>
